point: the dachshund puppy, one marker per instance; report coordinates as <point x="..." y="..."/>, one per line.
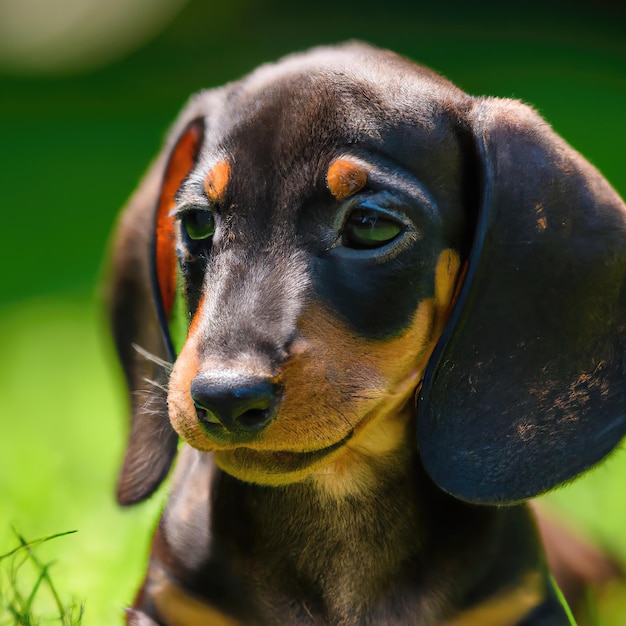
<point x="375" y="310"/>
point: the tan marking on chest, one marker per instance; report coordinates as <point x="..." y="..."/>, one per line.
<point x="178" y="608"/>
<point x="506" y="608"/>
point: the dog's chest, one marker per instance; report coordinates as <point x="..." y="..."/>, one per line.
<point x="286" y="557"/>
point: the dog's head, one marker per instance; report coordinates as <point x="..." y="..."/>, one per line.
<point x="312" y="232"/>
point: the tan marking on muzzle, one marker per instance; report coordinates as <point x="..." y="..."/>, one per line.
<point x="216" y="181"/>
<point x="345" y="178"/>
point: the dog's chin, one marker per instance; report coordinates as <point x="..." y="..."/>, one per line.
<point x="352" y="466"/>
<point x="275" y="468"/>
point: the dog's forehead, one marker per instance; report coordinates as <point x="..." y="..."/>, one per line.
<point x="355" y="83"/>
<point x="292" y="117"/>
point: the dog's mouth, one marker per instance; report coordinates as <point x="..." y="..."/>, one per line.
<point x="379" y="431"/>
<point x="274" y="467"/>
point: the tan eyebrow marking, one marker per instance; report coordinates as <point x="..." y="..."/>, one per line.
<point x="216" y="181"/>
<point x="345" y="178"/>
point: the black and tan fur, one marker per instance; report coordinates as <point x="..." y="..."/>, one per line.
<point x="354" y="416"/>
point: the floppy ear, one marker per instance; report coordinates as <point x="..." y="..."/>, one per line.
<point x="527" y="386"/>
<point x="142" y="289"/>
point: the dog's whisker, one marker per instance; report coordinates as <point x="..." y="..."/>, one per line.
<point x="154" y="383"/>
<point x="153" y="357"/>
<point x="150" y="402"/>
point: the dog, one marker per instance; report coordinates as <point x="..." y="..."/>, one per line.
<point x="381" y="314"/>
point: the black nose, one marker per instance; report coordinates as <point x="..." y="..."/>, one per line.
<point x="238" y="404"/>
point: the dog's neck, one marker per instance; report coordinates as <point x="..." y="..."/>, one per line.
<point x="299" y="552"/>
<point x="334" y="554"/>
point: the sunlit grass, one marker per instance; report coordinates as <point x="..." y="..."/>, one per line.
<point x="63" y="433"/>
<point x="22" y="600"/>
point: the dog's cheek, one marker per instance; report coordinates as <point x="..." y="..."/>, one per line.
<point x="342" y="379"/>
<point x="404" y="358"/>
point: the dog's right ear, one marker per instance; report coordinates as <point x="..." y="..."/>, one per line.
<point x="141" y="293"/>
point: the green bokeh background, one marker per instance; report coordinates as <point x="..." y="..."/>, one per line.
<point x="73" y="147"/>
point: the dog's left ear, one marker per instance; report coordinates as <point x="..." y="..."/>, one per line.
<point x="527" y="386"/>
<point x="142" y="290"/>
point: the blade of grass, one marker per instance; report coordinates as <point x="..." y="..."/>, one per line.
<point x="35" y="542"/>
<point x="31" y="597"/>
<point x="19" y="616"/>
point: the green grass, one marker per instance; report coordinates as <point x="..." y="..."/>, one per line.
<point x="63" y="430"/>
<point x="22" y="602"/>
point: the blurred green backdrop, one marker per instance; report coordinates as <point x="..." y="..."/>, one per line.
<point x="79" y="124"/>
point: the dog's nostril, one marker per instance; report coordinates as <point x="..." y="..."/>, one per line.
<point x="206" y="416"/>
<point x="243" y="404"/>
<point x="254" y="417"/>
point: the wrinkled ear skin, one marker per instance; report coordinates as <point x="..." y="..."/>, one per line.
<point x="141" y="286"/>
<point x="527" y="387"/>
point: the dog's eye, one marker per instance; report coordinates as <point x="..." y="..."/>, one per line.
<point x="367" y="228"/>
<point x="199" y="224"/>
